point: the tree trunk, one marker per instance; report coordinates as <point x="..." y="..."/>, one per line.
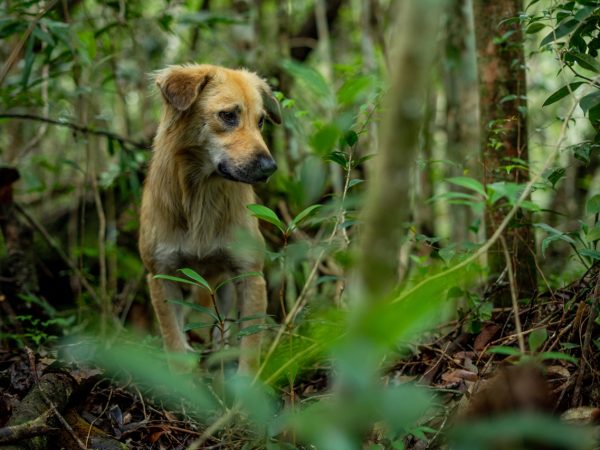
<point x="385" y="212"/>
<point x="502" y="101"/>
<point x="462" y="115"/>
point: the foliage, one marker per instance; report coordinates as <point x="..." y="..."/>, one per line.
<point x="78" y="116"/>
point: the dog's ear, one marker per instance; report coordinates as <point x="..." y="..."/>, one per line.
<point x="180" y="86"/>
<point x="271" y="104"/>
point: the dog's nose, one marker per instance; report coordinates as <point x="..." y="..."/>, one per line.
<point x="266" y="165"/>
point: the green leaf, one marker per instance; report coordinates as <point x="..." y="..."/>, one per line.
<point x="534" y="27"/>
<point x="29" y="59"/>
<point x="469" y="183"/>
<point x="196" y="326"/>
<point x="338" y="157"/>
<point x="556" y="175"/>
<point x="309" y="77"/>
<point x="593" y="234"/>
<point x="253" y="317"/>
<point x="586" y="61"/>
<point x="562" y="30"/>
<point x="563" y="92"/>
<point x="589" y="101"/>
<point x="558" y="355"/>
<point x="176" y="279"/>
<point x="239" y="277"/>
<point x="353" y="88"/>
<point x="325" y="139"/>
<point x="554" y="235"/>
<point x="589" y="253"/>
<point x="354" y="182"/>
<point x="592" y="206"/>
<point x="301" y="216"/>
<point x="266" y="214"/>
<point x="594" y="114"/>
<point x="252" y="329"/>
<point x="504" y="350"/>
<point x="190" y="273"/>
<point x="196" y="307"/>
<point x="501" y="189"/>
<point x="537" y="338"/>
<point x="350" y="138"/>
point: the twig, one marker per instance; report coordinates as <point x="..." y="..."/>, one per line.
<point x="38" y="226"/>
<point x="513" y="295"/>
<point x="79" y="128"/>
<point x="49" y="402"/>
<point x="216" y="425"/>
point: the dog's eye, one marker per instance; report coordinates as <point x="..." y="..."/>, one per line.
<point x="261" y="121"/>
<point x="228" y="117"/>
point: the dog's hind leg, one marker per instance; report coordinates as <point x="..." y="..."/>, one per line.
<point x="252" y="297"/>
<point x="168" y="317"/>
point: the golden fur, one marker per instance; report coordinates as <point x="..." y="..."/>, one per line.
<point x="198" y="186"/>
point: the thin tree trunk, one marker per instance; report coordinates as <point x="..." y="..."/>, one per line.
<point x="385" y="211"/>
<point x="503" y="124"/>
<point x="462" y="118"/>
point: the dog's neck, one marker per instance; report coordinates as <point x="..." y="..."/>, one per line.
<point x="198" y="188"/>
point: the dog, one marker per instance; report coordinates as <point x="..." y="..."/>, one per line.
<point x="207" y="153"/>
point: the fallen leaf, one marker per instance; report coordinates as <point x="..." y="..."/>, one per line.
<point x="487" y="334"/>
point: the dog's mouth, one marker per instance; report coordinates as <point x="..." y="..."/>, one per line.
<point x="243" y="175"/>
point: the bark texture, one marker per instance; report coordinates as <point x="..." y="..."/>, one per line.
<point x="503" y="126"/>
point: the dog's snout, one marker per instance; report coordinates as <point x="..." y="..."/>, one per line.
<point x="266" y="165"/>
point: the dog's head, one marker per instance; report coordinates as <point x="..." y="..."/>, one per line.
<point x="223" y="111"/>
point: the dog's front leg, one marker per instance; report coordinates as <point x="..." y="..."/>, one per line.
<point x="168" y="318"/>
<point x="252" y="294"/>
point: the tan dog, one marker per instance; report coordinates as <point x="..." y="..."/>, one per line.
<point x="208" y="150"/>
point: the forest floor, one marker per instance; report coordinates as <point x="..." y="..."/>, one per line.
<point x="468" y="379"/>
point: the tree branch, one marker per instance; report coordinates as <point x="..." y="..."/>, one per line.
<point x="78" y="128"/>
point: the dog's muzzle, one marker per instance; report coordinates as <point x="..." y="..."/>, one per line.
<point x="258" y="169"/>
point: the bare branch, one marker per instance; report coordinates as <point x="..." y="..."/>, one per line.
<point x="79" y="128"/>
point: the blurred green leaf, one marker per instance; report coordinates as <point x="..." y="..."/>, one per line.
<point x="196" y="307"/>
<point x="592" y="206"/>
<point x="325" y="139"/>
<point x="535" y="27"/>
<point x="309" y="77"/>
<point x="252" y="329"/>
<point x="589" y="253"/>
<point x="589" y="101"/>
<point x="238" y="278"/>
<point x="354" y="88"/>
<point x="536" y="339"/>
<point x="559" y="356"/>
<point x="554" y="235"/>
<point x="586" y="61"/>
<point x="301" y="216"/>
<point x="469" y="183"/>
<point x="149" y="366"/>
<point x="196" y="326"/>
<point x="562" y="30"/>
<point x="504" y="350"/>
<point x="512" y="430"/>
